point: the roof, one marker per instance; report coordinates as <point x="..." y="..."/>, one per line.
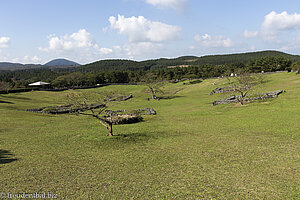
<point x="38" y="83"/>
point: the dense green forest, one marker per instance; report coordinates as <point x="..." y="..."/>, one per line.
<point x="127" y="71"/>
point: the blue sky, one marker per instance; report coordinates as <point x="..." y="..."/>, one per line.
<point x="36" y="31"/>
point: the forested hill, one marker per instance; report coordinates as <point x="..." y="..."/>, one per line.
<point x="121" y="65"/>
<point x="110" y="65"/>
<point x="61" y="62"/>
<point x="243" y="57"/>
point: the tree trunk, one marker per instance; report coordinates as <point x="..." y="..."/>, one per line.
<point x="110" y="129"/>
<point x="107" y="124"/>
<point x="243" y="96"/>
<point x="242" y="101"/>
<point x="153" y="93"/>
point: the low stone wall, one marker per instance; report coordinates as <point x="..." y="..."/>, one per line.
<point x="260" y="96"/>
<point x="65" y="109"/>
<point x="143" y="111"/>
<point x="146" y="111"/>
<point x="120" y="98"/>
<point x="113" y="112"/>
<point x="222" y="90"/>
<point x="225" y="89"/>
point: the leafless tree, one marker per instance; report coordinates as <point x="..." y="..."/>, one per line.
<point x="153" y="84"/>
<point x="4" y="86"/>
<point x="94" y="105"/>
<point x="242" y="84"/>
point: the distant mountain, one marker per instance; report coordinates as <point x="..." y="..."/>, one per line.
<point x="17" y="66"/>
<point x="61" y="62"/>
<point x="57" y="63"/>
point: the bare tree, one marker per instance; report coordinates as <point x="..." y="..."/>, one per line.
<point x="95" y="105"/>
<point x="154" y="84"/>
<point x="243" y="85"/>
<point x="82" y="104"/>
<point x="4" y="86"/>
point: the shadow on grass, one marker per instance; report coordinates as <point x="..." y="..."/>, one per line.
<point x="16" y="97"/>
<point x="6" y="102"/>
<point x="131" y="138"/>
<point x="169" y="97"/>
<point x="6" y="157"/>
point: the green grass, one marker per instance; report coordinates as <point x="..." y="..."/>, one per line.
<point x="189" y="150"/>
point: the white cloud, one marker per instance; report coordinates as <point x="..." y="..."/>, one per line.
<point x="146" y="38"/>
<point x="276" y="22"/>
<point x="279" y="30"/>
<point x="250" y="34"/>
<point x="79" y="45"/>
<point x="213" y="41"/>
<point x="178" y="5"/>
<point x="79" y="39"/>
<point x="4" y="42"/>
<point x="140" y="29"/>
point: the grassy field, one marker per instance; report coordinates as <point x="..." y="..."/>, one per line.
<point x="189" y="150"/>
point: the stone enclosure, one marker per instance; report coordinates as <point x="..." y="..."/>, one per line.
<point x="259" y="96"/>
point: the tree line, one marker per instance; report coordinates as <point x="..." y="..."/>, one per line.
<point x="74" y="77"/>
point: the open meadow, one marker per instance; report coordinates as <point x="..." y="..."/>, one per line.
<point x="189" y="150"/>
